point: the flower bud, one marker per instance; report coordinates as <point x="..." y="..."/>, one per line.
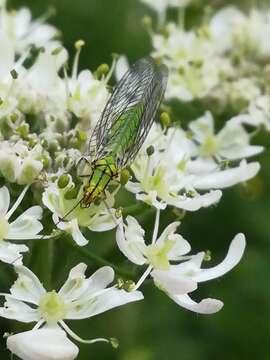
<point x="102" y="70"/>
<point x="8" y="167"/>
<point x="165" y="119"/>
<point x="63" y="181"/>
<point x="29" y="171"/>
<point x="124" y="176"/>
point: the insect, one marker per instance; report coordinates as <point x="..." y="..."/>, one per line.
<point x="124" y="125"/>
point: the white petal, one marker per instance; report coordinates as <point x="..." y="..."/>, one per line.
<point x="131" y="242"/>
<point x="100" y="279"/>
<point x="73" y="229"/>
<point x="103" y="222"/>
<point x="227" y="178"/>
<point x="27" y="287"/>
<point x="42" y="344"/>
<point x="196" y="202"/>
<point x="34" y="211"/>
<point x="11" y="253"/>
<point x="206" y="306"/>
<point x="26" y="226"/>
<point x="233" y="257"/>
<point x="110" y="299"/>
<point x="202" y="127"/>
<point x="151" y="199"/>
<point x="173" y="283"/>
<point x="4" y="200"/>
<point x="18" y="310"/>
<point x="76" y="284"/>
<point x="121" y="67"/>
<point x="180" y="247"/>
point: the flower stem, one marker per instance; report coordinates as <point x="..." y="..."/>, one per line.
<point x="99" y="260"/>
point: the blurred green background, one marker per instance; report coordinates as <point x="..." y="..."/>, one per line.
<point x="157" y="329"/>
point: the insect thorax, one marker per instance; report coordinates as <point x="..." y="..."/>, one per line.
<point x="103" y="171"/>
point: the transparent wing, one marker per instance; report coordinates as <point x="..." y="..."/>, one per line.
<point x="152" y="100"/>
<point x="135" y="99"/>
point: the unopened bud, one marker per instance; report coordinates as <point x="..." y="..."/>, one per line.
<point x="124" y="176"/>
<point x="71" y="194"/>
<point x="165" y="119"/>
<point x="63" y="181"/>
<point x="102" y="70"/>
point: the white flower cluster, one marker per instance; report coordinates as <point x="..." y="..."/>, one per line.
<point x="46" y="117"/>
<point x="223" y="61"/>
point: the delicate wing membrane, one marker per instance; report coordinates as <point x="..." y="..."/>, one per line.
<point x="130" y="111"/>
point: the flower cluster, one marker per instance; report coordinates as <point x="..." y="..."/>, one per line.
<point x="47" y="114"/>
<point x="222" y="61"/>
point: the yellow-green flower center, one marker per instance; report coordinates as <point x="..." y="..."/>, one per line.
<point x="209" y="147"/>
<point x="4" y="228"/>
<point x="52" y="307"/>
<point x="158" y="255"/>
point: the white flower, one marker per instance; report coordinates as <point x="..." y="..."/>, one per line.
<point x="258" y="114"/>
<point x="194" y="65"/>
<point x="242" y="33"/>
<point x="161" y="5"/>
<point x="22" y="31"/>
<point x="18" y="163"/>
<point x="40" y="89"/>
<point x="162" y="178"/>
<point x="190" y="271"/>
<point x="95" y="218"/>
<point x="42" y="344"/>
<point x="162" y="254"/>
<point x="232" y="141"/>
<point x="79" y="298"/>
<point x="25" y="227"/>
<point x="88" y="96"/>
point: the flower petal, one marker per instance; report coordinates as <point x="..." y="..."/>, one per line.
<point x="196" y="202"/>
<point x="4" y="200"/>
<point x="227" y="178"/>
<point x="11" y="253"/>
<point x="180" y="247"/>
<point x="27" y="287"/>
<point x="131" y="241"/>
<point x="18" y="310"/>
<point x="172" y="282"/>
<point x="26" y="226"/>
<point x="72" y="228"/>
<point x="84" y="308"/>
<point x="100" y="279"/>
<point x="233" y="257"/>
<point x="103" y="221"/>
<point x="206" y="306"/>
<point x="76" y="284"/>
<point x="42" y="344"/>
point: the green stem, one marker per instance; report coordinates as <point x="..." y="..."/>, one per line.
<point x="99" y="260"/>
